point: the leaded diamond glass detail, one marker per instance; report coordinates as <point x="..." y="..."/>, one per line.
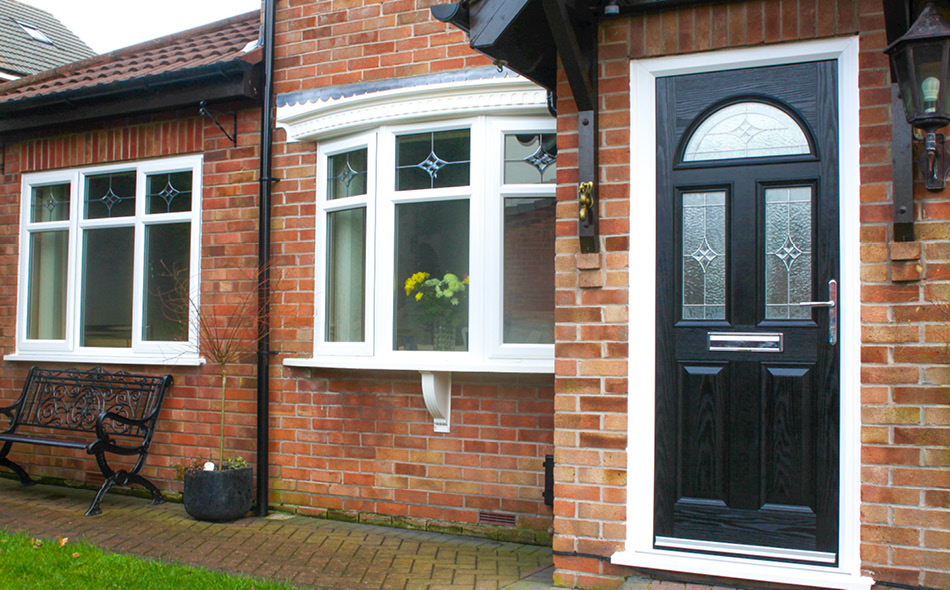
<point x="50" y="203"/>
<point x="704" y="255"/>
<point x="346" y="174"/>
<point x="788" y="258"/>
<point x="110" y="195"/>
<point x="530" y="158"/>
<point x="169" y="192"/>
<point x="746" y="130"/>
<point x="439" y="159"/>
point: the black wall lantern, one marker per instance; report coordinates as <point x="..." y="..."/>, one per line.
<point x="919" y="60"/>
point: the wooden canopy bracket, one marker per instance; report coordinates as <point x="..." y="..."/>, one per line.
<point x="576" y="40"/>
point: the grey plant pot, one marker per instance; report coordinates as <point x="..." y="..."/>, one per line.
<point x="219" y="496"/>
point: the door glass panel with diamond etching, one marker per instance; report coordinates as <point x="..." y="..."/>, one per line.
<point x="746" y="130"/>
<point x="704" y="256"/>
<point x="788" y="252"/>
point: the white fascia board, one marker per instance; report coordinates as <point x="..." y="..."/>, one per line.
<point x="333" y="117"/>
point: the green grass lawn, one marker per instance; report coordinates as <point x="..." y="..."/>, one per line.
<point x="44" y="564"/>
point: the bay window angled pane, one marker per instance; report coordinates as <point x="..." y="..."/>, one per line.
<point x="346" y="276"/>
<point x="166" y="296"/>
<point x="46" y="305"/>
<point x="106" y="297"/>
<point x="431" y="283"/>
<point x="346" y="174"/>
<point x="529" y="234"/>
<point x="530" y="158"/>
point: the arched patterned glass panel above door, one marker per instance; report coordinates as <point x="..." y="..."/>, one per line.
<point x="746" y="130"/>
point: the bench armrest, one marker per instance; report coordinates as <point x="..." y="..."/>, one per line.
<point x="106" y="441"/>
<point x="10" y="413"/>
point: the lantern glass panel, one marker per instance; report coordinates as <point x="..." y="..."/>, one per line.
<point x="901" y="59"/>
<point x="930" y="78"/>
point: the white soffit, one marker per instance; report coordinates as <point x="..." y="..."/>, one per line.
<point x="325" y="118"/>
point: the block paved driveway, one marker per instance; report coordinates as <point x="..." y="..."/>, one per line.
<point x="309" y="552"/>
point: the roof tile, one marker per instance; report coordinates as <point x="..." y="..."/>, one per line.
<point x="220" y="42"/>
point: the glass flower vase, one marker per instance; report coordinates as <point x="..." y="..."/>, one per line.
<point x="443" y="334"/>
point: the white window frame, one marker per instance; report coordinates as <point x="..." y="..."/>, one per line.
<point x="141" y="352"/>
<point x="639" y="550"/>
<point x="485" y="194"/>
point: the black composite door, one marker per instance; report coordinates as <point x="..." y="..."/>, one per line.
<point x="747" y="377"/>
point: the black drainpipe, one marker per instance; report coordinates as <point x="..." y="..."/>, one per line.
<point x="263" y="259"/>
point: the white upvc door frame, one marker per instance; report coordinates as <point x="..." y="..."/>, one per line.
<point x="639" y="550"/>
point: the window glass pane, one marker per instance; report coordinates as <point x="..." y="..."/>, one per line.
<point x="346" y="274"/>
<point x="46" y="311"/>
<point x="110" y="195"/>
<point x="169" y="192"/>
<point x="167" y="277"/>
<point x="746" y="130"/>
<point x="529" y="271"/>
<point x="530" y="158"/>
<point x="431" y="299"/>
<point x="106" y="300"/>
<point x="787" y="252"/>
<point x="704" y="256"/>
<point x="346" y="174"/>
<point x="433" y="160"/>
<point x="50" y="203"/>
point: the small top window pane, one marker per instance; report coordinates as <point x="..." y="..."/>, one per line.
<point x="746" y="130"/>
<point x="50" y="203"/>
<point x="169" y="192"/>
<point x="433" y="160"/>
<point x="346" y="174"/>
<point x="530" y="158"/>
<point x="110" y="195"/>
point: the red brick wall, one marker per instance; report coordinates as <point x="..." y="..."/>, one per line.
<point x="360" y="444"/>
<point x="188" y="424"/>
<point x="905" y="531"/>
<point x="337" y="42"/>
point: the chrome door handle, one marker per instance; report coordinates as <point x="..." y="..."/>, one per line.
<point x="832" y="305"/>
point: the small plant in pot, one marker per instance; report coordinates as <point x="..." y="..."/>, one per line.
<point x="221" y="488"/>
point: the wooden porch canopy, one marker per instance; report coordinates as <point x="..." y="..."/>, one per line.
<point x="528" y="36"/>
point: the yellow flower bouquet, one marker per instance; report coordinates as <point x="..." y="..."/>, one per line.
<point x="443" y="301"/>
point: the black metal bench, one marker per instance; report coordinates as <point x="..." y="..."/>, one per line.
<point x="63" y="407"/>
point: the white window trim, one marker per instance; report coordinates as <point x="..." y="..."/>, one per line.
<point x="485" y="195"/>
<point x="641" y="411"/>
<point x="141" y="352"/>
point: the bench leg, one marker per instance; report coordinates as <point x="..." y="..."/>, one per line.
<point x="157" y="497"/>
<point x="25" y="479"/>
<point x="106" y="486"/>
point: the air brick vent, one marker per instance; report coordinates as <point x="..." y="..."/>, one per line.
<point x="496" y="519"/>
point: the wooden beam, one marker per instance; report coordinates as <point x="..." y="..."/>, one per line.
<point x="578" y="55"/>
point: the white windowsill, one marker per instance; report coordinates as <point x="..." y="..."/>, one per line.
<point x="189" y="360"/>
<point x="452" y="362"/>
<point x="743" y="569"/>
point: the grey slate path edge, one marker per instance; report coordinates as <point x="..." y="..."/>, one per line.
<point x="308" y="552"/>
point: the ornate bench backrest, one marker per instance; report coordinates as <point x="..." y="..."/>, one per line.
<point x="72" y="399"/>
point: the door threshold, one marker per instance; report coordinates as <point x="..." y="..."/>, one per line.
<point x="756" y="551"/>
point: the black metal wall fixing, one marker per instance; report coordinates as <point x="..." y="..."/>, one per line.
<point x="203" y="110"/>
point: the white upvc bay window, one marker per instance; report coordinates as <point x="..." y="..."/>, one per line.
<point x="470" y="198"/>
<point x="106" y="253"/>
